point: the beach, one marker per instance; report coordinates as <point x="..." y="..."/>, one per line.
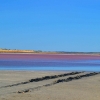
<point x="49" y="50"/>
<point x="52" y="85"/>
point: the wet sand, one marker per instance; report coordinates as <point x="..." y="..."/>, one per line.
<point x="52" y="85"/>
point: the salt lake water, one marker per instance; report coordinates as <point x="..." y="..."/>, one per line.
<point x="50" y="62"/>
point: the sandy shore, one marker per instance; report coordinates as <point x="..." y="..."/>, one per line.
<point x="52" y="85"/>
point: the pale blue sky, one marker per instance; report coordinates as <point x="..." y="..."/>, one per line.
<point x="50" y="25"/>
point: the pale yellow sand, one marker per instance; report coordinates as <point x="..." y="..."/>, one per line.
<point x="83" y="89"/>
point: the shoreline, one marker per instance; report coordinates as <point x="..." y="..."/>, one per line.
<point x="98" y="54"/>
<point x="47" y="71"/>
<point x="52" y="69"/>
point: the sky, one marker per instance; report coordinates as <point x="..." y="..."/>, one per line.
<point x="50" y="25"/>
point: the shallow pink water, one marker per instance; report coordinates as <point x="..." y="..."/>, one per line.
<point x="49" y="62"/>
<point x="49" y="56"/>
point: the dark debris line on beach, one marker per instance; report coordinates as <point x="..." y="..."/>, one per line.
<point x="59" y="81"/>
<point x="43" y="78"/>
